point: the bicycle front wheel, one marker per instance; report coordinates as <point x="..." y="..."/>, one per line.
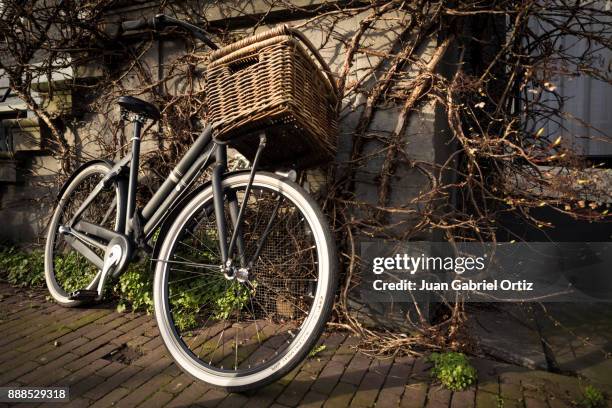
<point x="248" y="329"/>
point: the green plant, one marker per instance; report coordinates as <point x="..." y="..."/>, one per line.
<point x="234" y="298"/>
<point x="592" y="397"/>
<point x="316" y="350"/>
<point x="135" y="287"/>
<point x="73" y="271"/>
<point x="22" y="268"/>
<point x="213" y="292"/>
<point x="453" y="370"/>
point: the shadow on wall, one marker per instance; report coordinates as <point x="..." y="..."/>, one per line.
<point x="24" y="214"/>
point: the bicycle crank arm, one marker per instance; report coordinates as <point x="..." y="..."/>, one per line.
<point x="112" y="258"/>
<point x="116" y="254"/>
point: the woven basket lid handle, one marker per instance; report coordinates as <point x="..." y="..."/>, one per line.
<point x="245" y="42"/>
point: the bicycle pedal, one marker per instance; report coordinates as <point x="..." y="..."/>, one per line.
<point x="83" y="294"/>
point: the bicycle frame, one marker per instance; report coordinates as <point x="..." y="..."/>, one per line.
<point x="138" y="227"/>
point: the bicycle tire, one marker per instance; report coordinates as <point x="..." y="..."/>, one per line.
<point x="313" y="324"/>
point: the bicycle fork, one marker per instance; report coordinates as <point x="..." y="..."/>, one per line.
<point x="236" y="214"/>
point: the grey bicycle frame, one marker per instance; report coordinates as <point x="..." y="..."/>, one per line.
<point x="195" y="161"/>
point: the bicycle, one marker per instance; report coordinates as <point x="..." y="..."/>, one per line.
<point x="247" y="253"/>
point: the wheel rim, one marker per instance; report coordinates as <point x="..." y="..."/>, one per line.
<point x="234" y="345"/>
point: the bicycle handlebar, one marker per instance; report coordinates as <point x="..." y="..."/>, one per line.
<point x="161" y="21"/>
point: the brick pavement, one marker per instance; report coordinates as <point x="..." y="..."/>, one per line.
<point x="44" y="344"/>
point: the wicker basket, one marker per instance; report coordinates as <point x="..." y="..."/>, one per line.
<point x="272" y="82"/>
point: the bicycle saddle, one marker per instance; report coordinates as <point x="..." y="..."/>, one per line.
<point x="139" y="106"/>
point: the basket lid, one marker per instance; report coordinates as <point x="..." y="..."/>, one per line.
<point x="228" y="49"/>
<point x="280" y="31"/>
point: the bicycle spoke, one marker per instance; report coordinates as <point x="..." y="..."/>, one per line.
<point x="187" y="263"/>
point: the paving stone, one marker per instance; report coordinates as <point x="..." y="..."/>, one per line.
<point x="356" y="369"/>
<point x="188" y="396"/>
<point x="328" y="377"/>
<point x="146" y="373"/>
<point x="214" y="397"/>
<point x="46" y="370"/>
<point x="289" y="377"/>
<point x="295" y="391"/>
<point x="558" y="403"/>
<point x="153" y="344"/>
<point x="144" y="391"/>
<point x="111" y="398"/>
<point x="96" y="343"/>
<point x="264" y="397"/>
<point x="486" y="399"/>
<point x="84" y="372"/>
<point x="159" y="399"/>
<point x="535" y="403"/>
<point x="414" y="395"/>
<point x="461" y="399"/>
<point x="341" y="395"/>
<point x="152" y="356"/>
<point x="109" y="370"/>
<point x="347" y="350"/>
<point x="133" y="327"/>
<point x="99" y="328"/>
<point x="61" y="349"/>
<point x="232" y="400"/>
<point x="178" y="384"/>
<point x="173" y="370"/>
<point x="391" y="392"/>
<point x="91" y="357"/>
<point x="533" y="390"/>
<point x="25" y="327"/>
<point x="111" y="318"/>
<point x="78" y="403"/>
<point x="438" y="397"/>
<point x="372" y="382"/>
<point x="332" y="343"/>
<point x="113" y="382"/>
<point x="313" y="399"/>
<point x="85" y="385"/>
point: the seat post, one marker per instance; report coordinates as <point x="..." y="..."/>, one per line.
<point x="134" y="166"/>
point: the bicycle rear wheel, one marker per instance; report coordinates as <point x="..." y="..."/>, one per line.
<point x="250" y="329"/>
<point x="66" y="270"/>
